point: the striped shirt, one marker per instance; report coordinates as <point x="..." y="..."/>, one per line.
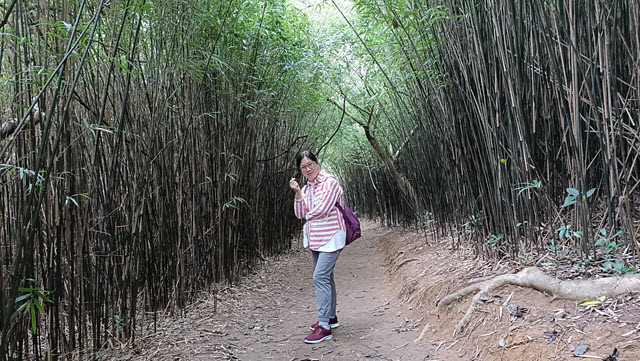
<point x="317" y="206"/>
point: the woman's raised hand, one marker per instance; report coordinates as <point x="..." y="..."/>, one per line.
<point x="293" y="183"/>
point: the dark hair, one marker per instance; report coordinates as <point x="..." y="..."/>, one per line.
<point x="305" y="154"/>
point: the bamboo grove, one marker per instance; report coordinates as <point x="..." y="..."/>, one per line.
<point x="143" y="145"/>
<point x="513" y="120"/>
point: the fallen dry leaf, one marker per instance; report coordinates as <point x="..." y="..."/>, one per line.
<point x="550" y="335"/>
<point x="580" y="350"/>
<point x="613" y="356"/>
<point x="515" y="310"/>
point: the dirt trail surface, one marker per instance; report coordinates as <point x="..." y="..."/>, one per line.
<point x="268" y="315"/>
<point x="388" y="284"/>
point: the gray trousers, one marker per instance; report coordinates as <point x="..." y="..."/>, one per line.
<point x="323" y="264"/>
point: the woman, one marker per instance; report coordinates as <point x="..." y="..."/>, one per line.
<point x="324" y="233"/>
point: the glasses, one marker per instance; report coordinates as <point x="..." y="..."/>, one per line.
<point x="307" y="166"/>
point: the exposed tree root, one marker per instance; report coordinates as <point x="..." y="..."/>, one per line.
<point x="405" y="262"/>
<point x="533" y="277"/>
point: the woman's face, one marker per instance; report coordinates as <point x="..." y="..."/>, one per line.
<point x="309" y="168"/>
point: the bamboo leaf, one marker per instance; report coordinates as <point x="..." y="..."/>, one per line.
<point x="591" y="302"/>
<point x="570" y="200"/>
<point x="42" y="296"/>
<point x="33" y="319"/>
<point x="69" y="198"/>
<point x="122" y="66"/>
<point x="102" y="130"/>
<point x="17" y="312"/>
<point x="38" y="305"/>
<point x="23" y="297"/>
<point x="573" y="192"/>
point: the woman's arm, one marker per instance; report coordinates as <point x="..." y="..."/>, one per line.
<point x="299" y="206"/>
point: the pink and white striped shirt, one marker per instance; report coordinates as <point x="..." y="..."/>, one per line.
<point x="317" y="206"/>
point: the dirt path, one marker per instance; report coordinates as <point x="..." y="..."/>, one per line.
<point x="388" y="285"/>
<point x="267" y="317"/>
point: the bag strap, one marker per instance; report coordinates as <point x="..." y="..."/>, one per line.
<point x="337" y="203"/>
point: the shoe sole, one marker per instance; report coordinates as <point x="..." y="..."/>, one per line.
<point x="328" y="337"/>
<point x="333" y="325"/>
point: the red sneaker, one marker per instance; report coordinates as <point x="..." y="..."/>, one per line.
<point x="333" y="323"/>
<point x="318" y="335"/>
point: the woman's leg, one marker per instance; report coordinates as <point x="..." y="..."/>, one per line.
<point x="334" y="297"/>
<point x="322" y="280"/>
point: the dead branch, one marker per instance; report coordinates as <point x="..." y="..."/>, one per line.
<point x="405" y="262"/>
